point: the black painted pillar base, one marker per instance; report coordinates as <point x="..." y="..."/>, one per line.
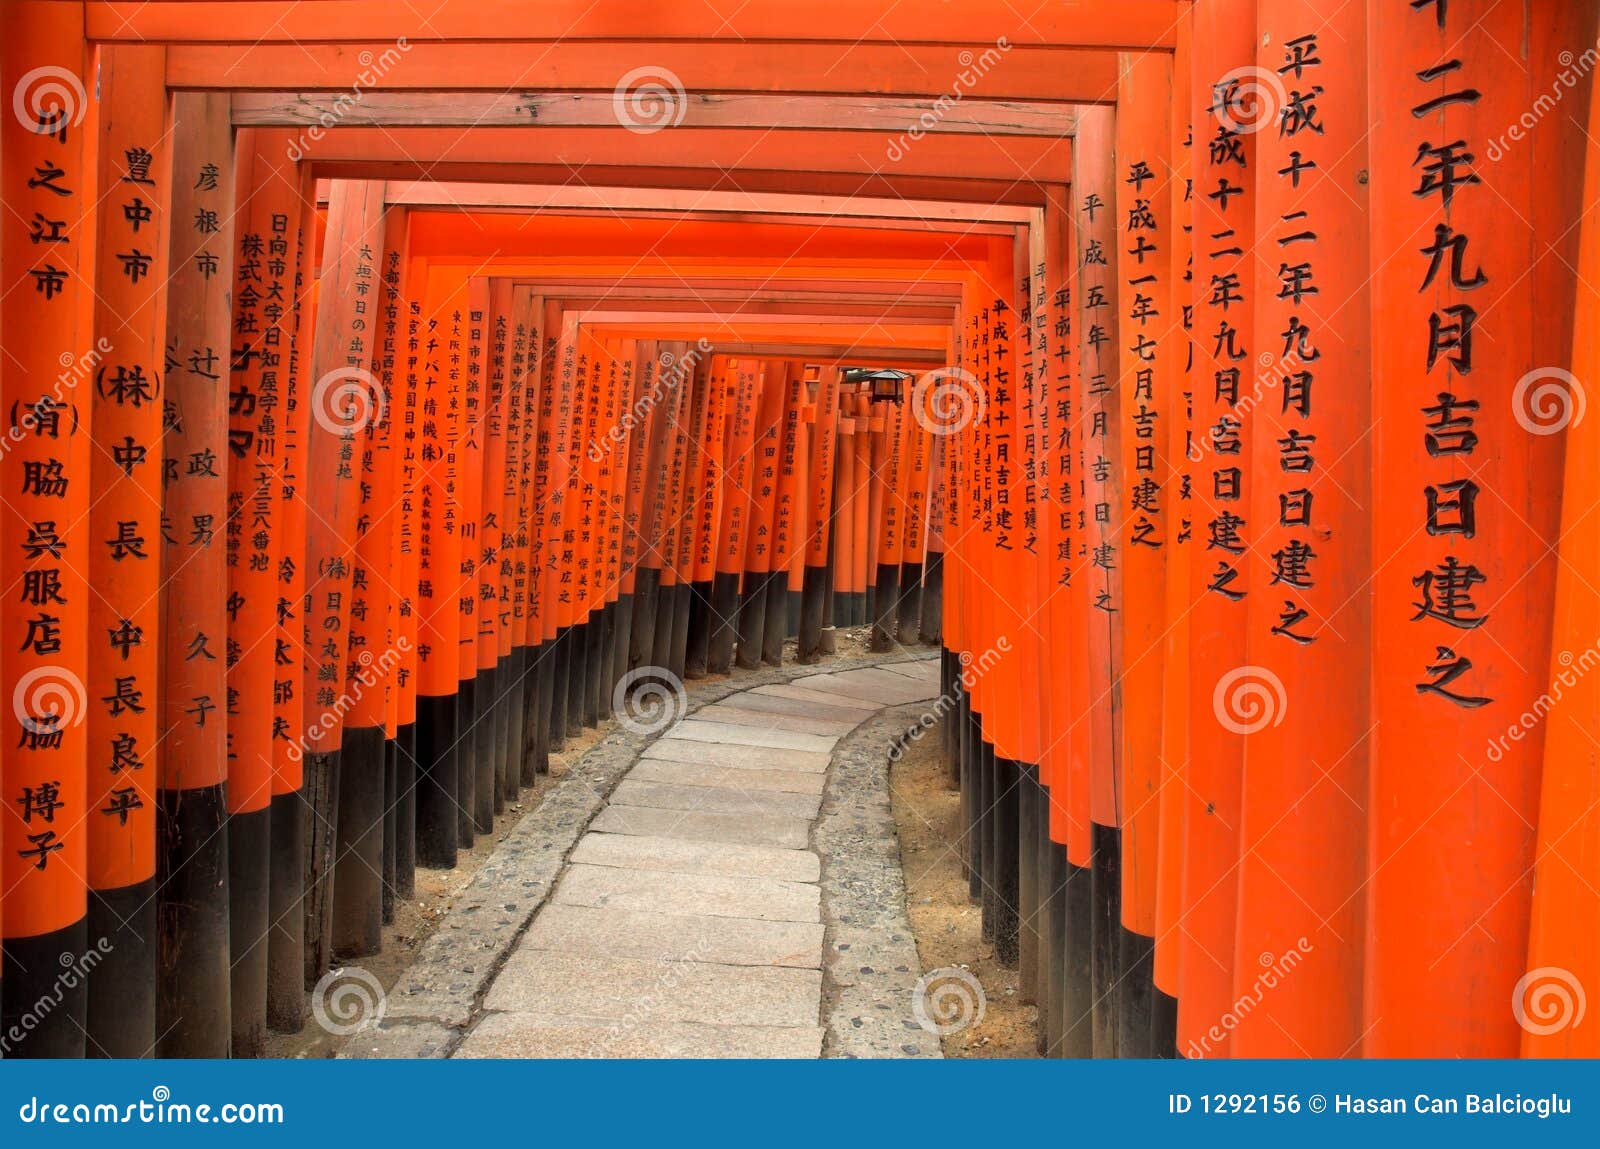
<point x="1135" y="1007"/>
<point x="813" y="598"/>
<point x="793" y="614"/>
<point x="593" y="656"/>
<point x="608" y="657"/>
<point x="682" y="597"/>
<point x="910" y="602"/>
<point x="577" y="676"/>
<point x="1053" y="950"/>
<point x="752" y="620"/>
<point x="286" y="939"/>
<point x="1163" y="1025"/>
<point x="777" y="618"/>
<point x="322" y="792"/>
<point x="1028" y="811"/>
<point x="437" y="730"/>
<point x="358" y="856"/>
<point x="484" y="753"/>
<point x="30" y="972"/>
<point x="391" y="793"/>
<point x="193" y="1006"/>
<point x="249" y="915"/>
<point x="623" y="640"/>
<point x="1077" y="978"/>
<point x="466" y="760"/>
<point x="507" y="717"/>
<point x="1008" y="860"/>
<point x="983" y="810"/>
<point x="121" y="1019"/>
<point x="724" y="622"/>
<point x="1105" y="931"/>
<point x="405" y="810"/>
<point x="559" y="663"/>
<point x="646" y="592"/>
<point x="885" y="606"/>
<point x="697" y="656"/>
<point x="666" y="617"/>
<point x="932" y="613"/>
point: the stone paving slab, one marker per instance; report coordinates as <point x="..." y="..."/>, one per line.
<point x="536" y="1036"/>
<point x="727" y="734"/>
<point x="920" y="671"/>
<point x="592" y="987"/>
<point x="742" y="757"/>
<point x="685" y="856"/>
<point x="715" y="799"/>
<point x="741" y="829"/>
<point x="827" y="698"/>
<point x="726" y="777"/>
<point x="767" y="720"/>
<point x="797" y="707"/>
<point x="890" y="690"/>
<point x="683" y="937"/>
<point x="659" y="891"/>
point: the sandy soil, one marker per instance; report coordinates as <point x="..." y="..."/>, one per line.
<point x="947" y="924"/>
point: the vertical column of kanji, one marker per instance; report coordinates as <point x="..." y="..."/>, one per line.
<point x="404" y="312"/>
<point x="785" y="501"/>
<point x="758" y="517"/>
<point x="468" y="330"/>
<point x="370" y="654"/>
<point x="438" y="562"/>
<point x="562" y="556"/>
<point x="707" y="516"/>
<point x="124" y="565"/>
<point x="47" y="245"/>
<point x="968" y="536"/>
<point x="286" y="887"/>
<point x="806" y="418"/>
<point x="685" y="506"/>
<point x="819" y="541"/>
<point x="498" y="473"/>
<point x="915" y="533"/>
<point x="267" y="226"/>
<point x="1178" y="437"/>
<point x="743" y="382"/>
<point x="399" y="748"/>
<point x="592" y="366"/>
<point x="345" y="401"/>
<point x="1464" y="331"/>
<point x="632" y="430"/>
<point x="931" y="604"/>
<point x="611" y="465"/>
<point x="1303" y="827"/>
<point x="551" y="470"/>
<point x="1095" y="183"/>
<point x="1226" y="118"/>
<point x="1148" y="346"/>
<point x="192" y="1013"/>
<point x="844" y="507"/>
<point x="886" y="541"/>
<point x="647" y="563"/>
<point x="862" y="507"/>
<point x="1564" y="942"/>
<point x="516" y="535"/>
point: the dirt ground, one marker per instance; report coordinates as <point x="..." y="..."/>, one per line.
<point x="947" y="924"/>
<point x="417" y="918"/>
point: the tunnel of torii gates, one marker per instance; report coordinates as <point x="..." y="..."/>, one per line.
<point x="386" y="396"/>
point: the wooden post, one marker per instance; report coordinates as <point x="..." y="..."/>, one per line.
<point x="193" y="1014"/>
<point x="818" y="543"/>
<point x="47" y="249"/>
<point x="758" y="524"/>
<point x="745" y="384"/>
<point x="130" y="119"/>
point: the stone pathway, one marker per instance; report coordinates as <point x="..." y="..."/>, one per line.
<point x="688" y="921"/>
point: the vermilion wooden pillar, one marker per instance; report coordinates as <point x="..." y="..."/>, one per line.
<point x="475" y="788"/>
<point x="1149" y="346"/>
<point x="745" y="380"/>
<point x="758" y="521"/>
<point x="129" y="119"/>
<point x="346" y="401"/>
<point x="785" y="515"/>
<point x="1462" y="604"/>
<point x="1228" y="117"/>
<point x="1095" y="186"/>
<point x="819" y="540"/>
<point x="653" y="401"/>
<point x="1564" y="943"/>
<point x="45" y="242"/>
<point x="1303" y="829"/>
<point x="708" y="517"/>
<point x="499" y="472"/>
<point x="267" y="244"/>
<point x="192" y="1016"/>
